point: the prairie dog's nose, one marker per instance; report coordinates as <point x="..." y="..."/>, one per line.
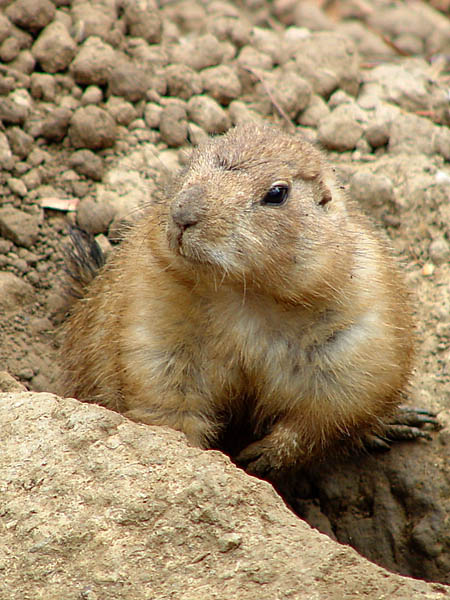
<point x="189" y="208"/>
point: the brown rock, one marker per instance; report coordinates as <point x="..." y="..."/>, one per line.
<point x="188" y="524"/>
<point x="313" y="114"/>
<point x="173" y="125"/>
<point x="6" y="157"/>
<point x="93" y="18"/>
<point x="409" y="132"/>
<point x="205" y="111"/>
<point x="234" y="28"/>
<point x="18" y="226"/>
<point x="54" y="127"/>
<point x="7" y="381"/>
<point x="143" y="20"/>
<point x="441" y="142"/>
<point x="122" y="111"/>
<point x="5" y="27"/>
<point x="182" y="81"/>
<point x="24" y="62"/>
<point x="43" y="86"/>
<point x="292" y="92"/>
<point x="94" y="62"/>
<point x="9" y="49"/>
<point x="372" y="191"/>
<point x="340" y="130"/>
<point x="87" y="163"/>
<point x="91" y="95"/>
<point x="92" y="127"/>
<point x="269" y="43"/>
<point x="128" y="81"/>
<point x="20" y="142"/>
<point x="32" y="15"/>
<point x="94" y="217"/>
<point x="328" y="61"/>
<point x="250" y="58"/>
<point x="222" y="84"/>
<point x="14" y="292"/>
<point x="17" y="186"/>
<point x="54" y="48"/>
<point x="200" y="52"/>
<point x="13" y="111"/>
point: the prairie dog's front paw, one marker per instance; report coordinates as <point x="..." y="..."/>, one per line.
<point x="259" y="459"/>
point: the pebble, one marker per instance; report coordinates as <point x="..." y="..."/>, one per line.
<point x="94" y="62"/>
<point x="43" y="87"/>
<point x="10" y="49"/>
<point x="93" y="216"/>
<point x="6" y="157"/>
<point x="200" y="52"/>
<point x="173" y="125"/>
<point x="377" y="134"/>
<point x="253" y="59"/>
<point x="128" y="81"/>
<point x="14" y="292"/>
<point x="340" y="130"/>
<point x="87" y="163"/>
<point x="17" y="186"/>
<point x="91" y="95"/>
<point x="12" y="112"/>
<point x="24" y="62"/>
<point x="292" y="93"/>
<point x="32" y="15"/>
<point x="32" y="179"/>
<point x="328" y="61"/>
<point x="372" y="190"/>
<point x="439" y="251"/>
<point x="18" y="226"/>
<point x="196" y="134"/>
<point x="221" y="83"/>
<point x="54" y="49"/>
<point x="9" y="384"/>
<point x="20" y="142"/>
<point x="441" y="142"/>
<point x="208" y="114"/>
<point x="182" y="81"/>
<point x="409" y="131"/>
<point x="37" y="157"/>
<point x="314" y="113"/>
<point x="93" y="128"/>
<point x="123" y="111"/>
<point x="55" y="125"/>
<point x="152" y="114"/>
<point x="143" y="20"/>
<point x="93" y="19"/>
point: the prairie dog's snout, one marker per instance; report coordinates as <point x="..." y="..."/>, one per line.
<point x="189" y="208"/>
<point x="186" y="211"/>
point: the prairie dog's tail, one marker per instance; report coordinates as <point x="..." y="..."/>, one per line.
<point x="83" y="259"/>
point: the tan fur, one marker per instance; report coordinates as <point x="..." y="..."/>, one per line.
<point x="297" y="310"/>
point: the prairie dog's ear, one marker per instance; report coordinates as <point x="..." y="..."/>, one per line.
<point x="325" y="194"/>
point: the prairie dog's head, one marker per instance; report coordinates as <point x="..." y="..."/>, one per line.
<point x="258" y="205"/>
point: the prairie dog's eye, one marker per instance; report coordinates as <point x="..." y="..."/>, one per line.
<point x="277" y="194"/>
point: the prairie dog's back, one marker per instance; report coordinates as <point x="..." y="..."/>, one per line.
<point x="255" y="281"/>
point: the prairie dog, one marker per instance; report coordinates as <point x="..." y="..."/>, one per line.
<point x="255" y="288"/>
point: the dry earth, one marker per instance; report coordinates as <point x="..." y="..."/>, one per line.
<point x="97" y="507"/>
<point x="99" y="98"/>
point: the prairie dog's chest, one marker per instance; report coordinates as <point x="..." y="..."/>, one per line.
<point x="259" y="335"/>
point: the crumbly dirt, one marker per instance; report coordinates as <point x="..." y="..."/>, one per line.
<point x="149" y="74"/>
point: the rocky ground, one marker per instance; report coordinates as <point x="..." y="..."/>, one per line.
<point x="99" y="98"/>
